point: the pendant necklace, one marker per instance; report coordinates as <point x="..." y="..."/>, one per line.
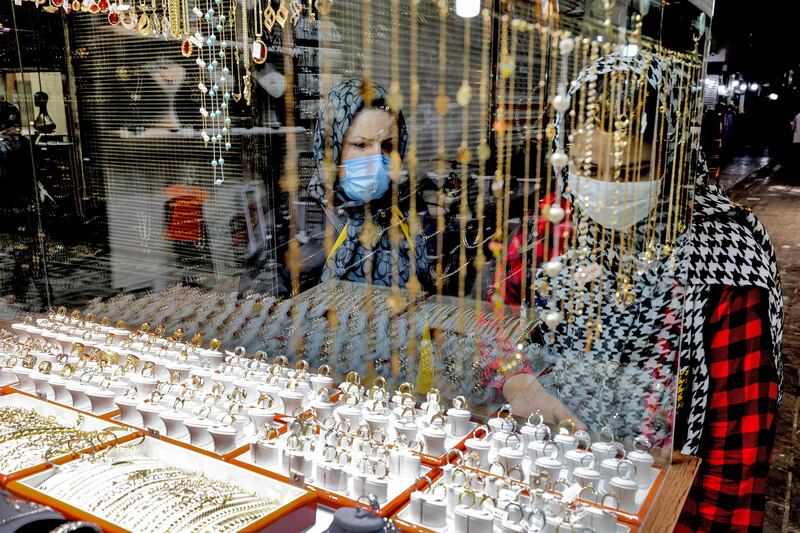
<point x="259" y="48"/>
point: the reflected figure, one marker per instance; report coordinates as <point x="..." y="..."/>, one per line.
<point x="43" y="123"/>
<point x="19" y="212"/>
<point x="361" y="138"/>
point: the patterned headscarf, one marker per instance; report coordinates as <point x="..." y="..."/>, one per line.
<point x="344" y="102"/>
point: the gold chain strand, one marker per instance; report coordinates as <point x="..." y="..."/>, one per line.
<point x="497" y="184"/>
<point x="413" y="285"/>
<point x="612" y="84"/>
<point x="527" y="172"/>
<point x="484" y="152"/>
<point x="395" y="235"/>
<point x="550" y="44"/>
<point x="657" y="163"/>
<point x="674" y="173"/>
<point x="515" y="25"/>
<point x="683" y="125"/>
<point x="290" y="181"/>
<point x="577" y="113"/>
<point x="540" y="149"/>
<point x="464" y="98"/>
<point x="442" y="103"/>
<point x="246" y="52"/>
<point x="620" y="129"/>
<point x="586" y="157"/>
<point x="175" y="17"/>
<point x="368" y="230"/>
<point x="234" y="14"/>
<point x="328" y="168"/>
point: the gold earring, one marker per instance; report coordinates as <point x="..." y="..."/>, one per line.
<point x="282" y="15"/>
<point x="269" y="16"/>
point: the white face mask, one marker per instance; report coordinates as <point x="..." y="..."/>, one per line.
<point x="614" y="205"/>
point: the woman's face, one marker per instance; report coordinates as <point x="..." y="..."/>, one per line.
<point x="636" y="155"/>
<point x="369" y="134"/>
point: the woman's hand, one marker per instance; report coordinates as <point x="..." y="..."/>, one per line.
<point x="526" y="395"/>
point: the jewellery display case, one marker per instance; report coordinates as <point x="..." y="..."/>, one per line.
<point x="425" y="255"/>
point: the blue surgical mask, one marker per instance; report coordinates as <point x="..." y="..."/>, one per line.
<point x="366" y="178"/>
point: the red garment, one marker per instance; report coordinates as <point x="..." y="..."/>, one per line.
<point x="562" y="232"/>
<point x="729" y="491"/>
<point x="185" y="213"/>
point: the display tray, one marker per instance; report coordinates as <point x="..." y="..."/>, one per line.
<point x="296" y="510"/>
<point x="405" y="519"/>
<point x="403" y="522"/>
<point x="398" y="490"/>
<point x="643" y="499"/>
<point x="64" y="415"/>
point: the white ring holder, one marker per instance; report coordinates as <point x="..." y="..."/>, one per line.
<point x="643" y="459"/>
<point x="539" y="439"/>
<point x="604" y="448"/>
<point x="511" y="456"/>
<point x="549" y="463"/>
<point x="609" y="466"/>
<point x="624" y="486"/>
<point x="586" y="474"/>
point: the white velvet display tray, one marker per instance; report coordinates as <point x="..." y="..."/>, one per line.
<point x="212" y="468"/>
<point x="405" y="515"/>
<point x="641" y="494"/>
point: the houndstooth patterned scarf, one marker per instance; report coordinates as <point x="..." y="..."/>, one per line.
<point x="618" y="364"/>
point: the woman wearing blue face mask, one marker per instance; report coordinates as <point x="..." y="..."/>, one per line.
<point x="361" y="138"/>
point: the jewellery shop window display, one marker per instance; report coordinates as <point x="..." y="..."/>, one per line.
<point x="446" y="279"/>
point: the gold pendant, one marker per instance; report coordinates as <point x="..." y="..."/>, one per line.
<point x="259" y="51"/>
<point x="269" y="16"/>
<point x="324" y="6"/>
<point x="187" y="47"/>
<point x="143" y="26"/>
<point x="130" y="22"/>
<point x="282" y="15"/>
<point x="297" y="10"/>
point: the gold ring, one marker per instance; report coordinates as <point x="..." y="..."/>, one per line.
<point x="270" y="433"/>
<point x="506" y="408"/>
<point x="472" y="494"/>
<point x="459" y="402"/>
<point x="45" y="367"/>
<point x="436" y="393"/>
<point x="440" y="417"/>
<point x="515" y="468"/>
<point x="324" y="371"/>
<point x="149" y="369"/>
